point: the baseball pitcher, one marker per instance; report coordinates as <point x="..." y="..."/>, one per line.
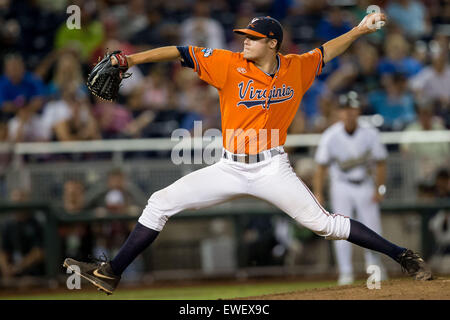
<point x="260" y="91"/>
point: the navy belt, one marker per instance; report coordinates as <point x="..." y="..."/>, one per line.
<point x="251" y="158"/>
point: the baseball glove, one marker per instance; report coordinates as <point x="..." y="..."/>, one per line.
<point x="105" y="78"/>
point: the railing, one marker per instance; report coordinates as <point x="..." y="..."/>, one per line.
<point x="167" y="144"/>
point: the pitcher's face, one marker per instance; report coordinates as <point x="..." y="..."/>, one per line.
<point x="256" y="48"/>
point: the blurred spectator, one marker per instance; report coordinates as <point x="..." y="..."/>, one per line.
<point x="333" y="25"/>
<point x="439" y="12"/>
<point x="288" y="46"/>
<point x="119" y="196"/>
<point x="19" y="89"/>
<point x="201" y="29"/>
<point x="131" y="17"/>
<point x="73" y="196"/>
<point x="77" y="238"/>
<point x="395" y="103"/>
<point x="187" y="84"/>
<point x="397" y="59"/>
<point x="157" y="107"/>
<point x="10" y="32"/>
<point x="86" y="39"/>
<point x="410" y="16"/>
<point x="156" y="89"/>
<point x="259" y="241"/>
<point x="310" y="105"/>
<point x="245" y="12"/>
<point x="328" y="106"/>
<point x="439" y="224"/>
<point x="152" y="35"/>
<point x="29" y="28"/>
<point x="281" y="8"/>
<point x="113" y="118"/>
<point x="358" y="74"/>
<point x="67" y="72"/>
<point x="21" y="253"/>
<point x="25" y="127"/>
<point x="442" y="184"/>
<point x="111" y="40"/>
<point x="433" y="82"/>
<point x="429" y="155"/>
<point x="69" y="119"/>
<point x="299" y="125"/>
<point x="205" y="110"/>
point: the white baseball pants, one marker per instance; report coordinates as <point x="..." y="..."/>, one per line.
<point x="345" y="199"/>
<point x="272" y="180"/>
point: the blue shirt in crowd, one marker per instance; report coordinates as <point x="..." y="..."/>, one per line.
<point x="410" y="18"/>
<point x="326" y="31"/>
<point x="407" y="66"/>
<point x="396" y="112"/>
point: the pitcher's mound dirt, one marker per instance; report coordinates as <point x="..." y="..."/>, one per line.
<point x="400" y="289"/>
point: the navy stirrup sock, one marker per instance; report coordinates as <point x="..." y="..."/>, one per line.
<point x="138" y="240"/>
<point x="366" y="238"/>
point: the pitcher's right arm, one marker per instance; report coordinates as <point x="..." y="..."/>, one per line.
<point x="161" y="54"/>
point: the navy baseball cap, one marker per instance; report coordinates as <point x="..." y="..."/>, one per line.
<point x="263" y="27"/>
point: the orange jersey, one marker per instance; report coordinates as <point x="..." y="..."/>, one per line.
<point x="256" y="109"/>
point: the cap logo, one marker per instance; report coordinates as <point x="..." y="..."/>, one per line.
<point x="271" y="33"/>
<point x="254" y="19"/>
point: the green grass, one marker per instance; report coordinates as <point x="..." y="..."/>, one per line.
<point x="198" y="292"/>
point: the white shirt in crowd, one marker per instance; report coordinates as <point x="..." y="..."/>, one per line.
<point x="203" y="32"/>
<point x="32" y="130"/>
<point x="56" y="112"/>
<point x="432" y="84"/>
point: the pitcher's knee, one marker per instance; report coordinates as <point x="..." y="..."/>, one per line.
<point x="333" y="227"/>
<point x="157" y="211"/>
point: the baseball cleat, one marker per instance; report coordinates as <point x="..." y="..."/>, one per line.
<point x="414" y="266"/>
<point x="99" y="274"/>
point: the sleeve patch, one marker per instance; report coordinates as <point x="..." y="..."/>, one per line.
<point x="186" y="60"/>
<point x="207" y="52"/>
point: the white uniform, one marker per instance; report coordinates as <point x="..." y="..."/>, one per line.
<point x="272" y="179"/>
<point x="349" y="157"/>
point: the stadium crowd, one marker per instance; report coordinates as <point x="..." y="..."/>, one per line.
<point x="401" y="72"/>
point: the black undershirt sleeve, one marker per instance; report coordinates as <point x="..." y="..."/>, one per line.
<point x="186" y="60"/>
<point x="323" y="56"/>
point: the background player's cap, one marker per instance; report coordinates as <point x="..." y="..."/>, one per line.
<point x="349" y="100"/>
<point x="263" y="27"/>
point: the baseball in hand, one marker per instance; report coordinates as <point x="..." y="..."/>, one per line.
<point x="372" y="22"/>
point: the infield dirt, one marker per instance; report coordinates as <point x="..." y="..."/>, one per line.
<point x="401" y="289"/>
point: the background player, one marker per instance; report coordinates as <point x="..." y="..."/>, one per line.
<point x="350" y="149"/>
<point x="259" y="90"/>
